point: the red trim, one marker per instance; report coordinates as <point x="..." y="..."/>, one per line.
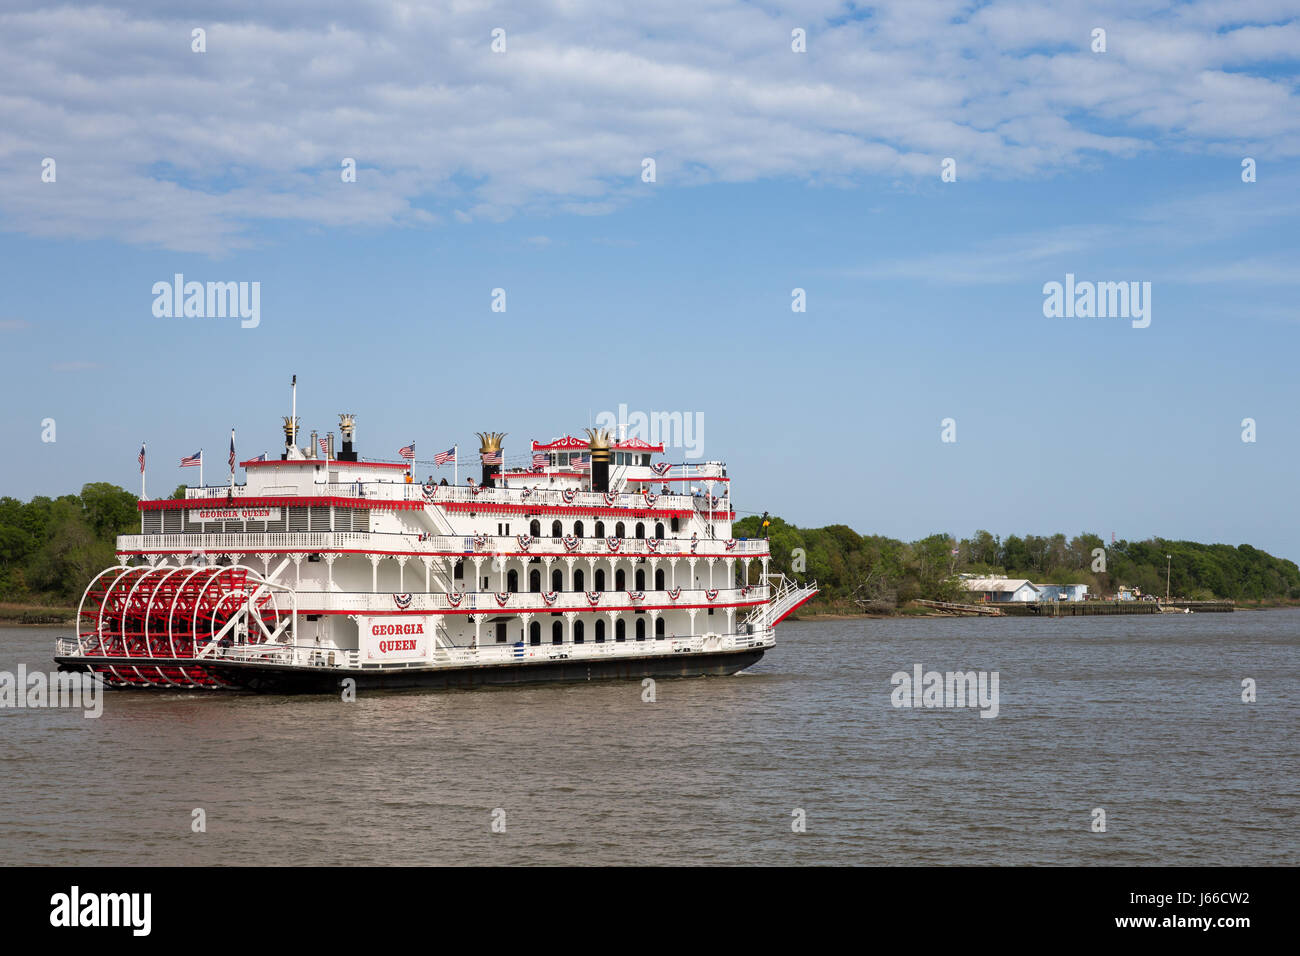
<point x="322" y="461"/>
<point x="293" y="501"/>
<point x="696" y="478"/>
<point x="514" y="509"/>
<point x="794" y="608"/>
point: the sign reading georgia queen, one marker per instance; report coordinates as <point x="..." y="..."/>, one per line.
<point x="399" y="638"/>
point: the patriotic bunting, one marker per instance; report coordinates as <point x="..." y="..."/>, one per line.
<point x="502" y="597"/>
<point x="568" y="494"/>
<point x="660" y="468"/>
<point x="480" y="541"/>
<point x="731" y="544"/>
<point x="453" y="598"/>
<point x="636" y="595"/>
<point x="571" y="542"/>
<point x="610" y="498"/>
<point x="711" y="593"/>
<point x="403" y="601"/>
<point x="653" y="544"/>
<point x="524" y="541"/>
<point x="593" y="597"/>
<point x="695" y="542"/>
<point x="527" y="493"/>
<point x="429" y="489"/>
<point x="651" y="499"/>
<point x="674" y="593"/>
<point x="612" y="543"/>
<point x="550" y="597"/>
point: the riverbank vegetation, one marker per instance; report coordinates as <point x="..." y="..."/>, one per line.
<point x="889" y="573"/>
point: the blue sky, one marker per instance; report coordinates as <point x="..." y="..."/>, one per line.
<point x="775" y="170"/>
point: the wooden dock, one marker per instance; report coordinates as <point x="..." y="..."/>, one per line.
<point x="948" y="607"/>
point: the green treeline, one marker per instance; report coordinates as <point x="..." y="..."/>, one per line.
<point x="893" y="572"/>
<point x="50" y="548"/>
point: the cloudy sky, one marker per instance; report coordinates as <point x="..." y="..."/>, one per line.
<point x="521" y="169"/>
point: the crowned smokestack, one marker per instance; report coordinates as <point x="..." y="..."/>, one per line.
<point x="490" y="445"/>
<point x="347" y="426"/>
<point x="290" y="426"/>
<point x="599" y="440"/>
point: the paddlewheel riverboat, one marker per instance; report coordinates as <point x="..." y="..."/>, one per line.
<point x="593" y="561"/>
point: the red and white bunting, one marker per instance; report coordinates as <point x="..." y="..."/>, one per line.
<point x="593" y="597"/>
<point x="503" y="597"/>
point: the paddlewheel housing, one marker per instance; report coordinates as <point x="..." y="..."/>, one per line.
<point x="156" y="626"/>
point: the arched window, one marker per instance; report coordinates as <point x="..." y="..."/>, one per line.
<point x="674" y="524"/>
<point x="620" y="580"/>
<point x="557" y="580"/>
<point x="459" y="573"/>
<point x="659" y="629"/>
<point x="600" y="529"/>
<point x="557" y="632"/>
<point x="535" y="528"/>
<point x="619" y="531"/>
<point x="600" y="630"/>
<point x="578" y="580"/>
<point x="535" y="581"/>
<point x="659" y="529"/>
<point x="577" y="632"/>
<point x="659" y="581"/>
<point x="640" y="530"/>
<point x="600" y="579"/>
<point x="640" y="629"/>
<point x="620" y="630"/>
<point x="640" y="579"/>
<point x="512" y="581"/>
<point x="557" y="530"/>
<point x="535" y="633"/>
<point x="577" y="529"/>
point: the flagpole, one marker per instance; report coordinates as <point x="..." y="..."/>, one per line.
<point x="455" y="464"/>
<point x="232" y="461"/>
<point x="143" y="496"/>
<point x="201" y="485"/>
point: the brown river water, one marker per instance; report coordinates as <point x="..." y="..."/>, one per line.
<point x="1141" y="717"/>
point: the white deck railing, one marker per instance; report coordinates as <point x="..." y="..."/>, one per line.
<point x="316" y="541"/>
<point x="369" y="602"/>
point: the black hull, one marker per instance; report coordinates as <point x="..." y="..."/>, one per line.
<point x="272" y="679"/>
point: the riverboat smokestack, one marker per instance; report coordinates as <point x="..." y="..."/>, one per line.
<point x="599" y="440"/>
<point x="311" y="449"/>
<point x="290" y="427"/>
<point x="490" y="444"/>
<point x="329" y="446"/>
<point x="347" y="426"/>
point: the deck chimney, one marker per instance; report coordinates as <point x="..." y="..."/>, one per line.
<point x="347" y="426"/>
<point x="490" y="444"/>
<point x="290" y="427"/>
<point x="599" y="439"/>
<point x="329" y="446"/>
<point x="311" y="449"/>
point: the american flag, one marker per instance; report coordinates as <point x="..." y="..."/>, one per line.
<point x="193" y="461"/>
<point x="232" y="451"/>
<point x="582" y="461"/>
<point x="408" y="451"/>
<point x="142" y="458"/>
<point x="261" y="457"/>
<point x="324" y="447"/>
<point x="492" y="457"/>
<point x="445" y="457"/>
<point x="540" y="460"/>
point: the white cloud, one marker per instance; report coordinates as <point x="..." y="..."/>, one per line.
<point x="156" y="145"/>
